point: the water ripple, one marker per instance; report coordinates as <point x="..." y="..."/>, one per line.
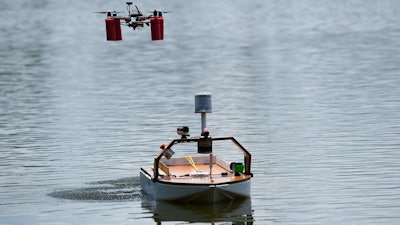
<point x="108" y="190"/>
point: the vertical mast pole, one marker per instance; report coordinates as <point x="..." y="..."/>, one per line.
<point x="203" y="121"/>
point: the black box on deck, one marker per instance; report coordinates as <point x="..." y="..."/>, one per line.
<point x="204" y="146"/>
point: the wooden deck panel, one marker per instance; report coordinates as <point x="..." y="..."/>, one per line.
<point x="181" y="170"/>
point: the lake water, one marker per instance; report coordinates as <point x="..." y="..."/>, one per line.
<point x="310" y="88"/>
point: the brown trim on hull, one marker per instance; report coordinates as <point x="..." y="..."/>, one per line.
<point x="193" y="182"/>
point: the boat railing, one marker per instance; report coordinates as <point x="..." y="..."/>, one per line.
<point x="247" y="155"/>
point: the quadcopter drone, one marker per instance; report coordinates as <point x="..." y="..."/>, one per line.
<point x="135" y="19"/>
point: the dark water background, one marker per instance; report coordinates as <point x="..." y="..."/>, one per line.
<point x="311" y="88"/>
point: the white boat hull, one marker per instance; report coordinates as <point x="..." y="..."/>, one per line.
<point x="194" y="192"/>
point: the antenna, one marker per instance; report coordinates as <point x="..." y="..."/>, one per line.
<point x="129" y="7"/>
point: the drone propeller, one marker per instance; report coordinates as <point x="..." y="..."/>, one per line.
<point x="105" y="12"/>
<point x="159" y="11"/>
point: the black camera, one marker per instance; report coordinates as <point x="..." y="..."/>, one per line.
<point x="183" y="131"/>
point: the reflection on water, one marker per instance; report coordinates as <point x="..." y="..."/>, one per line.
<point x="235" y="211"/>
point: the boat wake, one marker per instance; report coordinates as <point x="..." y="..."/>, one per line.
<point x="108" y="190"/>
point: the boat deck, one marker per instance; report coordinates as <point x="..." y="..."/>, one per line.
<point x="180" y="172"/>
